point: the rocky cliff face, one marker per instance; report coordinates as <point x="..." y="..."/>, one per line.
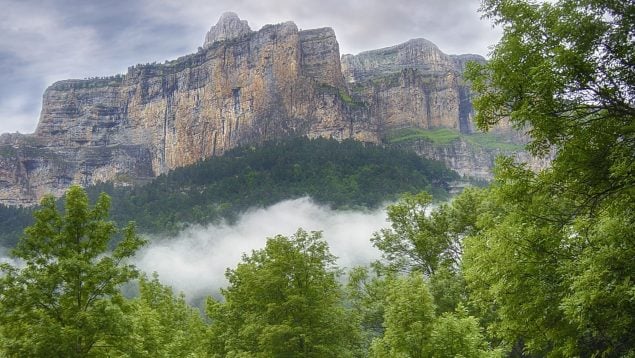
<point x="471" y="160"/>
<point x="241" y="87"/>
<point x="412" y="85"/>
<point x="229" y="27"/>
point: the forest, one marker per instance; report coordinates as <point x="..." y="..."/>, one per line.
<point x="537" y="264"/>
<point x="342" y="175"/>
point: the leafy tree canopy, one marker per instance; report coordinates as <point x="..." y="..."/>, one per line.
<point x="424" y="237"/>
<point x="565" y="71"/>
<point x="65" y="301"/>
<point x="164" y="325"/>
<point x="550" y="257"/>
<point x="284" y="301"/>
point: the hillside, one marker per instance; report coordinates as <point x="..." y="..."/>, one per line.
<point x="347" y="174"/>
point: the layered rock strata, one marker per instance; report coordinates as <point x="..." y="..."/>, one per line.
<point x="242" y="87"/>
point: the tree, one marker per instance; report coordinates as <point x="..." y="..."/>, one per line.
<point x="564" y="71"/>
<point x="455" y="334"/>
<point x="413" y="330"/>
<point x="65" y="301"/>
<point x="413" y="241"/>
<point x="283" y="301"/>
<point x="560" y="285"/>
<point x="427" y="238"/>
<point x="555" y="247"/>
<point x="430" y="240"/>
<point x="408" y="318"/>
<point x="367" y="291"/>
<point x="164" y="325"/>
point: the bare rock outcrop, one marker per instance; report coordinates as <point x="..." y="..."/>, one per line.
<point x="413" y="84"/>
<point x="242" y="87"/>
<point x="229" y="27"/>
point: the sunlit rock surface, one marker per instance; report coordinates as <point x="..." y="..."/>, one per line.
<point x="242" y="87"/>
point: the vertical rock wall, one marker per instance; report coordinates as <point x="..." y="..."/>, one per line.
<point x="242" y="87"/>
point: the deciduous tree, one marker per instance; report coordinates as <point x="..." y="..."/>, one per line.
<point x="284" y="301"/>
<point x="164" y="325"/>
<point x="65" y="300"/>
<point x="553" y="254"/>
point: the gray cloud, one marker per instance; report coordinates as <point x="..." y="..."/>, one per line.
<point x="4" y="258"/>
<point x="48" y="40"/>
<point x="195" y="261"/>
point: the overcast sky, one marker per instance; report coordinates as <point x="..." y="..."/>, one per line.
<point x="43" y="41"/>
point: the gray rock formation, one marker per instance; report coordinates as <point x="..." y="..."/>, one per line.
<point x="470" y="160"/>
<point x="418" y="54"/>
<point x="413" y="84"/>
<point x="229" y="27"/>
<point x="242" y="87"/>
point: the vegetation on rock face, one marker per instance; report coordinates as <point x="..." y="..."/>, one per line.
<point x="437" y="136"/>
<point x="445" y="136"/>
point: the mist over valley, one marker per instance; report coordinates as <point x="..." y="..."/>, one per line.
<point x="195" y="260"/>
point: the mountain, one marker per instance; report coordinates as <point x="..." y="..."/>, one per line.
<point x="241" y="87"/>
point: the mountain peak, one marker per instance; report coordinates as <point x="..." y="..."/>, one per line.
<point x="228" y="27"/>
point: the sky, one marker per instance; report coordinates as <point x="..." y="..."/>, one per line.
<point x="43" y="41"/>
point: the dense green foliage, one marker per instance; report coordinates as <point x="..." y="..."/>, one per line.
<point x="408" y="318"/>
<point x="164" y="325"/>
<point x="340" y="174"/>
<point x="547" y="264"/>
<point x="553" y="258"/>
<point x="64" y="298"/>
<point x="423" y="239"/>
<point x="13" y="220"/>
<point x="419" y="294"/>
<point x="413" y="330"/>
<point x="540" y="264"/>
<point x="284" y="301"/>
<point x="558" y="281"/>
<point x="565" y="72"/>
<point x="65" y="301"/>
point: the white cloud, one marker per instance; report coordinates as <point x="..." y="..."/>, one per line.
<point x="195" y="261"/>
<point x="4" y="258"/>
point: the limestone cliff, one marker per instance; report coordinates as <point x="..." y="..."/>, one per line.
<point x="412" y="85"/>
<point x="241" y="87"/>
<point x="229" y="27"/>
<point x="469" y="159"/>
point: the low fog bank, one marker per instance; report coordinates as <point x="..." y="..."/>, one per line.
<point x="4" y="258"/>
<point x="195" y="261"/>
